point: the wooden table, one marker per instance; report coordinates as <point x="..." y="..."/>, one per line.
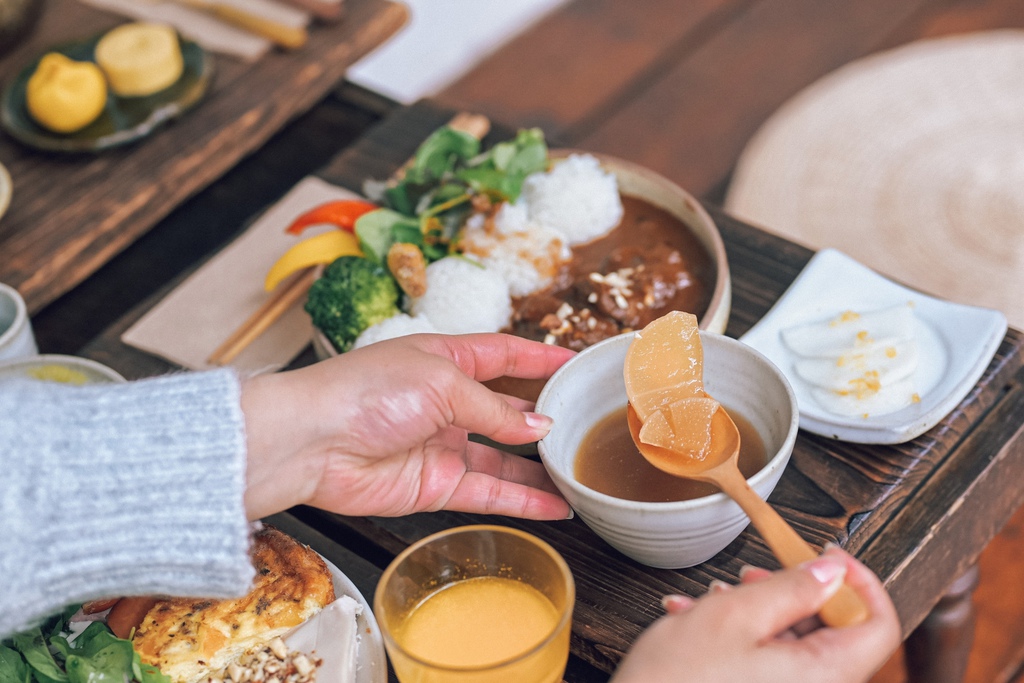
<point x="70" y="214"/>
<point x="918" y="514"/>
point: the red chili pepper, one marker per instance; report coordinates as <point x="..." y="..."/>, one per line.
<point x="342" y="213"/>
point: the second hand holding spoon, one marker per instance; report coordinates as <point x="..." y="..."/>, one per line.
<point x="721" y="468"/>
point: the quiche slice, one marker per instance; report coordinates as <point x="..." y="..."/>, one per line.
<point x="191" y="638"/>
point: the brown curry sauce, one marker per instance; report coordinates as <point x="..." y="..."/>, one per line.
<point x="648" y="265"/>
<point x="651" y="263"/>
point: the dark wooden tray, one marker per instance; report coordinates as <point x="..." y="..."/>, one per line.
<point x="70" y="214"/>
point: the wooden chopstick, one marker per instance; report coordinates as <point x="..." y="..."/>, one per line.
<point x="288" y="294"/>
<point x="266" y="315"/>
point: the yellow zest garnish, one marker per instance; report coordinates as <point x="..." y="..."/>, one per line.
<point x="845" y="317"/>
<point x="863" y="387"/>
<point x="323" y="248"/>
<point x="915" y="398"/>
<point x="890" y="351"/>
<point x="863" y="337"/>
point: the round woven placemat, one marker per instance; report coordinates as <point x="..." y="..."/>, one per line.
<point x="911" y="161"/>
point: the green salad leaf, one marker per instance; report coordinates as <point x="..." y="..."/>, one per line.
<point x="429" y="205"/>
<point x="378" y="230"/>
<point x="44" y="655"/>
<point x="504" y="169"/>
<point x="33" y="647"/>
<point x="440" y="153"/>
<point x="13" y="666"/>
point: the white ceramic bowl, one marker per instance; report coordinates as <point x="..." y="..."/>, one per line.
<point x="16" y="337"/>
<point x="678" y="534"/>
<point x="94" y="372"/>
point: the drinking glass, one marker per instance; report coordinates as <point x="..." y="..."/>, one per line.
<point x="450" y="559"/>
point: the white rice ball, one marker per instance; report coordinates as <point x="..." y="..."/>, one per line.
<point x="527" y="255"/>
<point x="512" y="217"/>
<point x="396" y="326"/>
<point x="577" y="198"/>
<point x="463" y="297"/>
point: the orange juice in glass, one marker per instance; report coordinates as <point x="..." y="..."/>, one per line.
<point x="477" y="604"/>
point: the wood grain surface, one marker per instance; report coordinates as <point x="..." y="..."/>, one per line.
<point x="918" y="513"/>
<point x="681" y="89"/>
<point x="70" y="214"/>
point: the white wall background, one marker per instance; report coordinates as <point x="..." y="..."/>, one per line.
<point x="443" y="40"/>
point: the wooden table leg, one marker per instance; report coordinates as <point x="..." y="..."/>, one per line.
<point x="937" y="650"/>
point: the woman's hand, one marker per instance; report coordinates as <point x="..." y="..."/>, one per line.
<point x="759" y="631"/>
<point x="383" y="430"/>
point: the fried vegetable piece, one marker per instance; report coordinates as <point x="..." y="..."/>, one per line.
<point x="97" y="606"/>
<point x="128" y="613"/>
<point x="409" y="268"/>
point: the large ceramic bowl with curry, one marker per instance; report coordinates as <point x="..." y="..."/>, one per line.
<point x="663" y="229"/>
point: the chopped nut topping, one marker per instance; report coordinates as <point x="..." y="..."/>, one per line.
<point x="568" y="327"/>
<point x="619" y="284"/>
<point x="274" y="663"/>
<point x="278" y="647"/>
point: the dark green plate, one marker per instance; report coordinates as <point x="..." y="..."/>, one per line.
<point x="124" y="120"/>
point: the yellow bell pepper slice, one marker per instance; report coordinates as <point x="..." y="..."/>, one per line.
<point x="322" y="248"/>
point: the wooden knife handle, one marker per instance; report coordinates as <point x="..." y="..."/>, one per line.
<point x="291" y="37"/>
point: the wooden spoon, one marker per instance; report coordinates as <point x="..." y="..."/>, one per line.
<point x="721" y="468"/>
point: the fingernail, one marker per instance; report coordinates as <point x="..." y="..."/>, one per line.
<point x="745" y="569"/>
<point x="572" y="513"/>
<point x="674" y="604"/>
<point x="717" y="586"/>
<point x="826" y="570"/>
<point x="541" y="423"/>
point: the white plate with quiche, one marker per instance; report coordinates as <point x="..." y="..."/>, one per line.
<point x="370" y="658"/>
<point x="297" y="596"/>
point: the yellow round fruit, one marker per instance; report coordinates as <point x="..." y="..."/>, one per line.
<point x="140" y="58"/>
<point x="64" y="95"/>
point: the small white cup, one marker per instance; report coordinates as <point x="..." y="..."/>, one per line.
<point x="16" y="338"/>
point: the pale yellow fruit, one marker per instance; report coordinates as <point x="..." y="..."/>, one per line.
<point x="64" y="95"/>
<point x="140" y="58"/>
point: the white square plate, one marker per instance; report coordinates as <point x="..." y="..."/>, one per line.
<point x="956" y="343"/>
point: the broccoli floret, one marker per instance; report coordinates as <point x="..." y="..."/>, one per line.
<point x="352" y="294"/>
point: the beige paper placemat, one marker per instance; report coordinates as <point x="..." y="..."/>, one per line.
<point x="187" y="325"/>
<point x="911" y="161"/>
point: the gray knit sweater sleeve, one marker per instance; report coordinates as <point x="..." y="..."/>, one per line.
<point x="120" y="489"/>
